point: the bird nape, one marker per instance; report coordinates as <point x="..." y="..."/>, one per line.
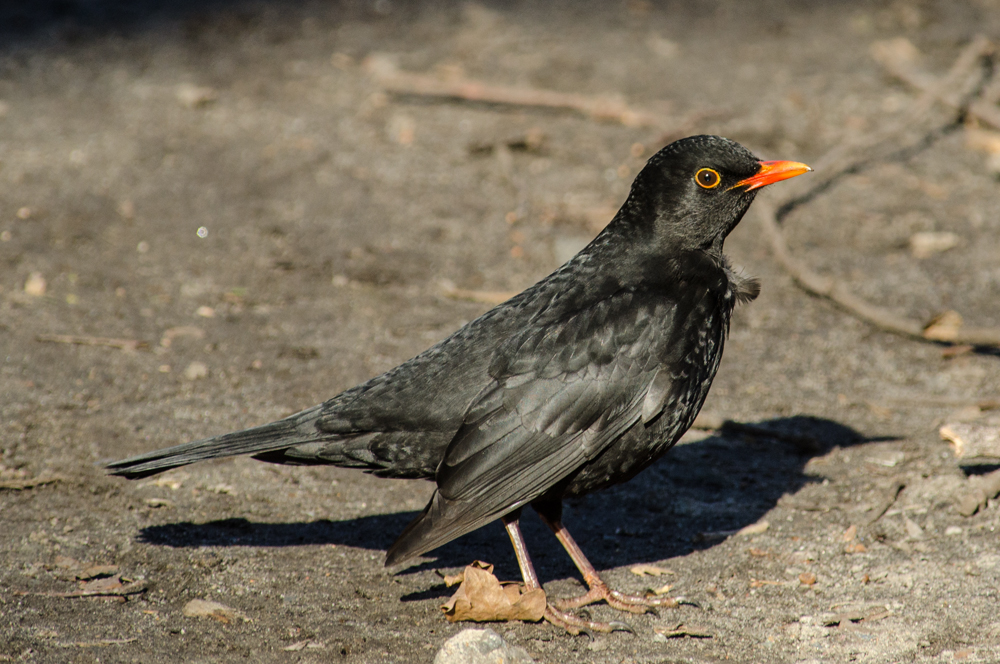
<point x="576" y="384"/>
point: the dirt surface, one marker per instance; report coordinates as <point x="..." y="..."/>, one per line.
<point x="228" y="185"/>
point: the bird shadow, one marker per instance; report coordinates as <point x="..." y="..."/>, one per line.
<point x="718" y="484"/>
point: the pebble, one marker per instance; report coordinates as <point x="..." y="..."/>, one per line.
<point x="196" y="370"/>
<point x="194" y="96"/>
<point x="928" y="243"/>
<point x="35" y="284"/>
<point x="480" y="646"/>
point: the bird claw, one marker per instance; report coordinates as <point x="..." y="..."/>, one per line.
<point x="619" y="626"/>
<point x="576" y="625"/>
<point x="599" y="591"/>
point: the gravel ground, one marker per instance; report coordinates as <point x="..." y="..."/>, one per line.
<point x="228" y="186"/>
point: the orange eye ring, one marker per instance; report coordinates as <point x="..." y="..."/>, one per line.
<point x="707" y="178"/>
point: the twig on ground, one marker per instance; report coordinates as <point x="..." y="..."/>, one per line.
<point x="119" y="591"/>
<point x="606" y="109"/>
<point x="82" y="340"/>
<point x="19" y="484"/>
<point x="950" y="87"/>
<point x="899" y="61"/>
<point x="834" y="290"/>
<point x="102" y="643"/>
<point x="882" y="142"/>
<point x="889" y="501"/>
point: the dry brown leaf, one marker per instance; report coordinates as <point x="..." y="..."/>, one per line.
<point x="482" y="598"/>
<point x="453" y="579"/>
<point x="203" y="608"/>
<point x="649" y="570"/>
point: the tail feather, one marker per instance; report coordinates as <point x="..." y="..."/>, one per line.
<point x="294" y="430"/>
<point x="441" y="521"/>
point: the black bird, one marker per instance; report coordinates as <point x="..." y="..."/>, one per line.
<point x="575" y="384"/>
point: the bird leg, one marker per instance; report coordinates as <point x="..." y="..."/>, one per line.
<point x="599" y="590"/>
<point x="571" y="623"/>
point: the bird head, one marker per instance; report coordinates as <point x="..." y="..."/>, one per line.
<point x="693" y="193"/>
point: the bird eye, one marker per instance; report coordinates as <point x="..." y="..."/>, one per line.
<point x="707" y="178"/>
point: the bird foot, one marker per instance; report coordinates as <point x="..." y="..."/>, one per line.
<point x="599" y="591"/>
<point x="576" y="625"/>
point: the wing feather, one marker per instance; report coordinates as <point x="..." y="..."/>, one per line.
<point x="560" y="396"/>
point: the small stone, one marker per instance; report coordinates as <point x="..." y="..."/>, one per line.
<point x="195" y="96"/>
<point x="912" y="528"/>
<point x="206" y="311"/>
<point x="927" y="243"/>
<point x="480" y="646"/>
<point x="664" y="48"/>
<point x="196" y="370"/>
<point x="126" y="209"/>
<point x="35" y="284"/>
<point x="203" y="608"/>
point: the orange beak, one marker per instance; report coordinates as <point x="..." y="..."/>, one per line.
<point x="771" y="172"/>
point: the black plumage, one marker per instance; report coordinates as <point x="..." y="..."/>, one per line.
<point x="577" y="383"/>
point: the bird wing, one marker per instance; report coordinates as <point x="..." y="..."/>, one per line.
<point x="562" y="392"/>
